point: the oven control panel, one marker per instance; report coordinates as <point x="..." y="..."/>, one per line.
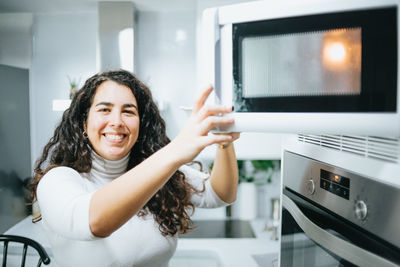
<point x="335" y="183"/>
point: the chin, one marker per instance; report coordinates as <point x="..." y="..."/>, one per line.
<point x="115" y="155"/>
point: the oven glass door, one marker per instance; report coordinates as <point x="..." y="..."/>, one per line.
<point x="313" y="237"/>
<point x="337" y="62"/>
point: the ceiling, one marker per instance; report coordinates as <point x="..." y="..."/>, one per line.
<point x="46" y="6"/>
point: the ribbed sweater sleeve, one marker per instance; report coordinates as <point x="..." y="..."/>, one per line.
<point x="64" y="203"/>
<point x="206" y="198"/>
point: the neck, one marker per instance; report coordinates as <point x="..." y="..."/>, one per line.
<point x="108" y="169"/>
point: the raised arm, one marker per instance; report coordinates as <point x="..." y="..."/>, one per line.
<point x="224" y="175"/>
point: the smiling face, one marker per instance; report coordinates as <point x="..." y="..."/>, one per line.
<point x="113" y="121"/>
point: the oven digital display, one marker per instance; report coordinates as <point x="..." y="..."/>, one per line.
<point x="336" y="184"/>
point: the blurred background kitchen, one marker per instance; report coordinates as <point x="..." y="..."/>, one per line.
<point x="49" y="48"/>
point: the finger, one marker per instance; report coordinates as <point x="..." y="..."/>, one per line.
<point x="234" y="135"/>
<point x="214" y="121"/>
<point x="202" y="98"/>
<point x="212" y="110"/>
<point x="216" y="139"/>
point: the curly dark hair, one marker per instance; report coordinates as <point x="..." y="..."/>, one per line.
<point x="68" y="147"/>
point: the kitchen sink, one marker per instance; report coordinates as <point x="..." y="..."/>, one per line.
<point x="195" y="258"/>
<point x="221" y="229"/>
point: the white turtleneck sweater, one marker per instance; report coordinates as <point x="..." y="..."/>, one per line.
<point x="64" y="195"/>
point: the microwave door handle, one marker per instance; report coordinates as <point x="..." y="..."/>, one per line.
<point x="337" y="246"/>
<point x="212" y="46"/>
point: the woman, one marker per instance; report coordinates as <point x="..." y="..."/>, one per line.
<point x="113" y="190"/>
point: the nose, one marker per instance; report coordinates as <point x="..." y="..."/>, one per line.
<point x="116" y="119"/>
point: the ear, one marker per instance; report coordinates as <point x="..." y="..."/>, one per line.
<point x="84" y="134"/>
<point x="84" y="125"/>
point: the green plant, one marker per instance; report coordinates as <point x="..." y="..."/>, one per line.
<point x="73" y="87"/>
<point x="263" y="165"/>
<point x="267" y="166"/>
<point x="73" y="83"/>
<point x="243" y="177"/>
<point x="261" y="173"/>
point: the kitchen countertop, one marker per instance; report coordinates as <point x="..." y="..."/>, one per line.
<point x="238" y="252"/>
<point x="249" y="252"/>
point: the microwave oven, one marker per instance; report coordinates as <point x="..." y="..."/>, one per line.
<point x="324" y="67"/>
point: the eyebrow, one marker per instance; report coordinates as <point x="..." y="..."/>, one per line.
<point x="108" y="104"/>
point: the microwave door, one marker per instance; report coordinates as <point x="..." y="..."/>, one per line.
<point x="311" y="70"/>
<point x="335" y="245"/>
<point x="212" y="46"/>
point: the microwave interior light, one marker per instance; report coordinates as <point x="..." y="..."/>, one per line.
<point x="341" y="49"/>
<point x="335" y="52"/>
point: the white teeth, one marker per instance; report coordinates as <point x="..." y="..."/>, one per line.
<point x="114" y="136"/>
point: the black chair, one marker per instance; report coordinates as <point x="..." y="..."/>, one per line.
<point x="44" y="258"/>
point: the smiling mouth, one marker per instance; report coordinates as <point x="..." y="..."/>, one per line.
<point x="115" y="137"/>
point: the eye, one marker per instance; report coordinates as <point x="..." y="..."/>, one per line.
<point x="104" y="110"/>
<point x="129" y="112"/>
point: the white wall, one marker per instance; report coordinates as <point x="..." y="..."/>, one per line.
<point x="115" y="35"/>
<point x="64" y="45"/>
<point x="165" y="61"/>
<point x="16" y="39"/>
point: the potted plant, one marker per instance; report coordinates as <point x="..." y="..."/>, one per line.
<point x="73" y="84"/>
<point x="253" y="174"/>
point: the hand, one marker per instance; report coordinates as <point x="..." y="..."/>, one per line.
<point x="235" y="136"/>
<point x="194" y="137"/>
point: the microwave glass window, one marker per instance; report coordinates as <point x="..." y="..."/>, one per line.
<point x="318" y="63"/>
<point x="333" y="62"/>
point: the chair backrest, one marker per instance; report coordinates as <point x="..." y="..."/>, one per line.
<point x="6" y="239"/>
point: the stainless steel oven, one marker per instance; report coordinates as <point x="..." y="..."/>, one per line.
<point x="334" y="217"/>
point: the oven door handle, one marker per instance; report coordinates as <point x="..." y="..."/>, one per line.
<point x="334" y="244"/>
